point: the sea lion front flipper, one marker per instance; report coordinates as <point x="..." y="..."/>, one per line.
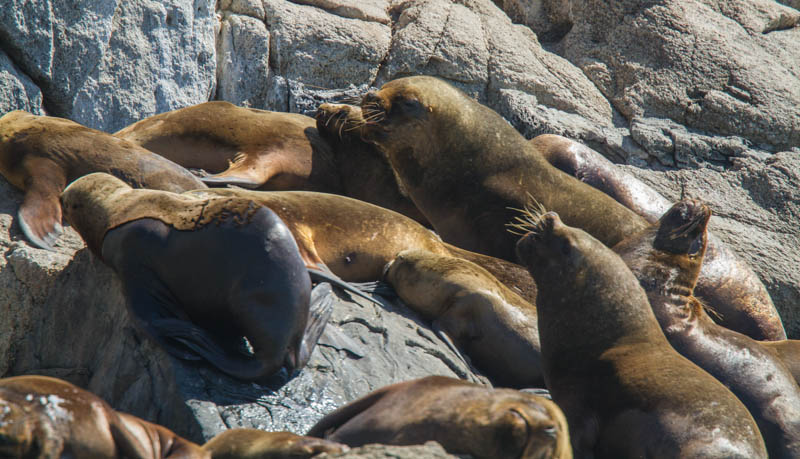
<point x="323" y="274"/>
<point x="320" y="310"/>
<point x="240" y="173"/>
<point x="40" y="213"/>
<point x="381" y="288"/>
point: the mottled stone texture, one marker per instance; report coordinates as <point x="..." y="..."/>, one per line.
<point x="696" y="97"/>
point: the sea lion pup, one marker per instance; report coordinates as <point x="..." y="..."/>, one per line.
<point x="246" y="147"/>
<point x="41" y="154"/>
<point x="200" y="274"/>
<point x="467" y="169"/>
<point x="258" y="444"/>
<point x="368" y="175"/>
<point x="463" y="417"/>
<point x="726" y="282"/>
<point x="355" y="240"/>
<point x="47" y="417"/>
<point x="666" y="259"/>
<point x="624" y="390"/>
<point x="483" y="318"/>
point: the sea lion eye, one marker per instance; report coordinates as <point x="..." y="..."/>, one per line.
<point x="408" y="107"/>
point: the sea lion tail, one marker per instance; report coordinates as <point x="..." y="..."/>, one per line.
<point x="320" y="310"/>
<point x="201" y="343"/>
<point x="319" y="275"/>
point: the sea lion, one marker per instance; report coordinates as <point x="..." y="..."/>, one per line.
<point x="366" y="174"/>
<point x="726" y="283"/>
<point x="788" y="351"/>
<point x="666" y="259"/>
<point x="624" y="390"/>
<point x="246" y="147"/>
<point x="258" y="444"/>
<point x="355" y="239"/>
<point x="199" y="274"/>
<point x="41" y="154"/>
<point x="47" y="417"/>
<point x="463" y="417"/>
<point x="483" y="318"/>
<point x="466" y="169"/>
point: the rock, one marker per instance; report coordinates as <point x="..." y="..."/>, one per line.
<point x="17" y="91"/>
<point x="430" y="450"/>
<point x="366" y="10"/>
<point x="108" y="64"/>
<point x="243" y="71"/>
<point x="719" y="66"/>
<point x="64" y="315"/>
<point x="550" y="19"/>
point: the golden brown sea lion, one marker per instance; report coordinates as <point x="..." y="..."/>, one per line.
<point x="624" y="390"/>
<point x="47" y="417"/>
<point x="41" y="154"/>
<point x="464" y="418"/>
<point x="246" y="147"/>
<point x="483" y="318"/>
<point x="200" y="274"/>
<point x="726" y="283"/>
<point x="356" y="240"/>
<point x="258" y="444"/>
<point x="666" y="259"/>
<point x="366" y="174"/>
<point x="466" y="168"/>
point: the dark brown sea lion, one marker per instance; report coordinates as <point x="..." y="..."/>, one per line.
<point x="726" y="282"/>
<point x="666" y="259"/>
<point x="483" y="318"/>
<point x="466" y="168"/>
<point x="624" y="390"/>
<point x="200" y="274"/>
<point x="355" y="239"/>
<point x="258" y="444"/>
<point x="243" y="146"/>
<point x="48" y="418"/>
<point x="366" y="174"/>
<point x="41" y="154"/>
<point x="464" y="418"/>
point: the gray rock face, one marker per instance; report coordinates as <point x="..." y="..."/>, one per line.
<point x="17" y="91"/>
<point x="718" y="66"/>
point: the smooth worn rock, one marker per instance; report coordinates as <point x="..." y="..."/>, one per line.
<point x="430" y="450"/>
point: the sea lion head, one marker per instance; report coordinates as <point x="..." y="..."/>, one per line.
<point x="85" y="203"/>
<point x="670" y="252"/>
<point x="530" y="427"/>
<point x="417" y="115"/>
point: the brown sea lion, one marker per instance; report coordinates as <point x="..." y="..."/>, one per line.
<point x="726" y="282"/>
<point x="258" y="444"/>
<point x="788" y="351"/>
<point x="624" y="390"/>
<point x="366" y="174"/>
<point x="246" y="147"/>
<point x="355" y="239"/>
<point x="666" y="259"/>
<point x="41" y="154"/>
<point x="483" y="318"/>
<point x="463" y="417"/>
<point x="200" y="274"/>
<point x="466" y="169"/>
<point x="48" y="418"/>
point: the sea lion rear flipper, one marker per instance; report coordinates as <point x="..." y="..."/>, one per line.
<point x="332" y="421"/>
<point x="320" y="310"/>
<point x="40" y="213"/>
<point x="325" y="275"/>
